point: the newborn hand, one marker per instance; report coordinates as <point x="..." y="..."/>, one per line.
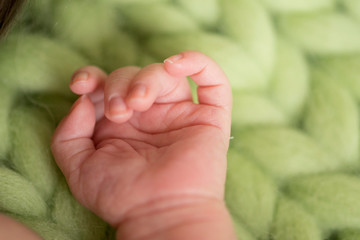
<point x="136" y="143"/>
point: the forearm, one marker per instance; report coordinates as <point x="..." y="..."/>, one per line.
<point x="208" y="220"/>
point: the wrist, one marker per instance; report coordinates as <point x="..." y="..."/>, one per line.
<point x="171" y="219"/>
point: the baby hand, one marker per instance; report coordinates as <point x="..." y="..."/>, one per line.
<point x="136" y="143"/>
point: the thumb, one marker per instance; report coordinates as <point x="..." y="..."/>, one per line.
<point x="72" y="141"/>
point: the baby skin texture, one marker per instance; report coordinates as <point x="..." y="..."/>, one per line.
<point x="136" y="150"/>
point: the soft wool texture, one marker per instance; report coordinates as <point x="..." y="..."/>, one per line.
<point x="293" y="163"/>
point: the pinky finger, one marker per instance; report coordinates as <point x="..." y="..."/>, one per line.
<point x="89" y="80"/>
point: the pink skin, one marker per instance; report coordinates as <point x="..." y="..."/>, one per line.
<point x="13" y="230"/>
<point x="155" y="148"/>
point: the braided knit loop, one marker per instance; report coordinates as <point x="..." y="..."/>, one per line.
<point x="293" y="170"/>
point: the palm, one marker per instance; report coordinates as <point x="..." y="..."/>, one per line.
<point x="150" y="158"/>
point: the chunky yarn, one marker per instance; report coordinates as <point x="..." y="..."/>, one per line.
<point x="293" y="163"/>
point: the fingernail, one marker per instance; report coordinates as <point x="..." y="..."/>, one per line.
<point x="77" y="103"/>
<point x="138" y="91"/>
<point x="174" y="59"/>
<point x="116" y="106"/>
<point x="80" y="77"/>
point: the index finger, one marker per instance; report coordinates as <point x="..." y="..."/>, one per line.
<point x="213" y="86"/>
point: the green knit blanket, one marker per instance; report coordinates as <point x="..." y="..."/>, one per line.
<point x="293" y="165"/>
